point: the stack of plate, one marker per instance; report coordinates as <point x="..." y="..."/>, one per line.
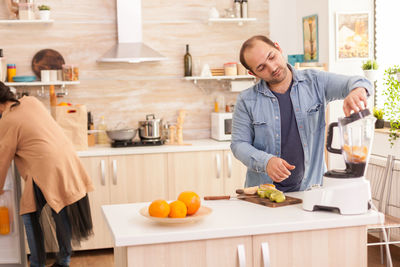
<point x="24" y="78"/>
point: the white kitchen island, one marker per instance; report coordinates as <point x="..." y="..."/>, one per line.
<point x="237" y="231"/>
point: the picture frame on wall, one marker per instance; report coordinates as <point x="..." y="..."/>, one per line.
<point x="310" y="38"/>
<point x="353" y="35"/>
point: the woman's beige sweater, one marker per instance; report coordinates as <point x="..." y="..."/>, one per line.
<point x="43" y="154"/>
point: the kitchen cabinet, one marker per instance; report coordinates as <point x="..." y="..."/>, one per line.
<point x="204" y="172"/>
<point x="326" y="247"/>
<point x="212" y="252"/>
<point x="122" y="179"/>
<point x="96" y="168"/>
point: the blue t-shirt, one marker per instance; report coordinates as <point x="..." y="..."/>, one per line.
<point x="291" y="147"/>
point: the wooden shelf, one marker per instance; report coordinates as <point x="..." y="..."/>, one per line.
<point x="17" y="21"/>
<point x="63" y="83"/>
<point x="237" y="77"/>
<point x="239" y="21"/>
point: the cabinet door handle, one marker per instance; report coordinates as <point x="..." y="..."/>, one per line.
<point x="265" y="254"/>
<point x="114" y="167"/>
<point x="229" y="160"/>
<point x="103" y="172"/>
<point x="218" y="161"/>
<point x="241" y="255"/>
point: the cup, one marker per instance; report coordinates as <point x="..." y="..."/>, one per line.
<point x="45" y="75"/>
<point x="53" y="75"/>
<point x="241" y="69"/>
<point x="59" y="75"/>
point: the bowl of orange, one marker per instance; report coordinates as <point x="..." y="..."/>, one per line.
<point x="187" y="208"/>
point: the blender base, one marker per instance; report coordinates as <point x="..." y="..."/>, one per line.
<point x="348" y="196"/>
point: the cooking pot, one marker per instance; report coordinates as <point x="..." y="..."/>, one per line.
<point x="150" y="129"/>
<point x="122" y="135"/>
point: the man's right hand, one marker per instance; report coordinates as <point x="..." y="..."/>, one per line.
<point x="278" y="169"/>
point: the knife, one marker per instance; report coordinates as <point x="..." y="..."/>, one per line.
<point x="228" y="197"/>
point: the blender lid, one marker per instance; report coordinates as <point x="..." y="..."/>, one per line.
<point x="355" y="117"/>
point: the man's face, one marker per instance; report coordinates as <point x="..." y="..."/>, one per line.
<point x="266" y="62"/>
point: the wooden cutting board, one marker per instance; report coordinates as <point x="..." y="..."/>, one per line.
<point x="47" y="59"/>
<point x="266" y="202"/>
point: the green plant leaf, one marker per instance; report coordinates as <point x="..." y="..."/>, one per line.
<point x="392" y="102"/>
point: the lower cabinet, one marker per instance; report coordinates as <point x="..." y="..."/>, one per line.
<point x="345" y="247"/>
<point x="326" y="247"/>
<point x="210" y="253"/>
<point x="205" y="172"/>
<point x="121" y="179"/>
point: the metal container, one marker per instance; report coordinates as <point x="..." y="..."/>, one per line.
<point x="122" y="135"/>
<point x="151" y="128"/>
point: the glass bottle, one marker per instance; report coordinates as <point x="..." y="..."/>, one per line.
<point x="244" y="9"/>
<point x="102" y="135"/>
<point x="237" y="7"/>
<point x="3" y="67"/>
<point x="187" y="59"/>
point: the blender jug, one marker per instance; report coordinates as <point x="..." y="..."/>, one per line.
<point x="356" y="136"/>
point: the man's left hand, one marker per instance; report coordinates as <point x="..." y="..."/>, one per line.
<point x="355" y="101"/>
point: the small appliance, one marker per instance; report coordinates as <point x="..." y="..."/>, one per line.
<point x="346" y="191"/>
<point x="221" y="126"/>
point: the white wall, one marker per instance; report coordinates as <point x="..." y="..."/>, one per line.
<point x="348" y="67"/>
<point x="283" y="30"/>
<point x="387" y="40"/>
<point x="286" y="25"/>
<point x="311" y="7"/>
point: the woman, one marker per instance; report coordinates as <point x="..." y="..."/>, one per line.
<point x="52" y="172"/>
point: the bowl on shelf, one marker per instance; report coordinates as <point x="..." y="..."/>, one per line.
<point x="24" y="78"/>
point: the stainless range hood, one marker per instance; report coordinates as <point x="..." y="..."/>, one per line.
<point x="130" y="48"/>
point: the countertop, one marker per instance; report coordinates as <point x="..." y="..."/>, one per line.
<point x="190" y="145"/>
<point x="229" y="218"/>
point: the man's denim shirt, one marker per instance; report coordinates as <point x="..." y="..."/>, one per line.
<point x="256" y="132"/>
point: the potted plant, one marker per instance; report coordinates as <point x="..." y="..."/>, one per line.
<point x="370" y="68"/>
<point x="44" y="12"/>
<point x="378" y="114"/>
<point x="392" y="102"/>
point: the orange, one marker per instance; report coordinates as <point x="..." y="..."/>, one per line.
<point x="178" y="209"/>
<point x="159" y="208"/>
<point x="191" y="200"/>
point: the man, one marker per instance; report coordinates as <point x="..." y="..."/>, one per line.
<point x="279" y="123"/>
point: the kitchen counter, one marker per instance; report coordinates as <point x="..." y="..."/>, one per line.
<point x="232" y="219"/>
<point x="192" y="145"/>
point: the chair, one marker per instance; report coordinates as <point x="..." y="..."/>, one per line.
<point x="385" y="185"/>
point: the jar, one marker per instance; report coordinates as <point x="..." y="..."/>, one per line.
<point x="230" y="69"/>
<point x="67" y="72"/>
<point x="75" y="73"/>
<point x="241" y="69"/>
<point x="11" y="72"/>
<point x="26" y="11"/>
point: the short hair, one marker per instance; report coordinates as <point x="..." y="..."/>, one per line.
<point x="249" y="43"/>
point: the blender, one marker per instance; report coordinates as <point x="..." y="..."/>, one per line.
<point x="346" y="191"/>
